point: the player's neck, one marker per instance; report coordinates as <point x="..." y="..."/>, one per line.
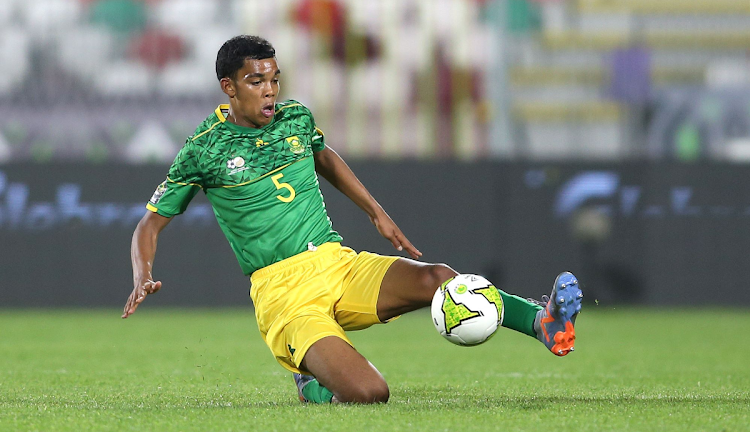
<point x="233" y="118"/>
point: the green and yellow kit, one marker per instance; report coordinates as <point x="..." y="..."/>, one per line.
<point x="261" y="184"/>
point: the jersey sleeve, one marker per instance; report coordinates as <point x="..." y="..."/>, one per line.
<point x="317" y="140"/>
<point x="173" y="195"/>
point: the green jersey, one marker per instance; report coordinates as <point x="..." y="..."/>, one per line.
<point x="261" y="184"/>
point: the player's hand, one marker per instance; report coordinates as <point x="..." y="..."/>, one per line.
<point x="388" y="229"/>
<point x="139" y="294"/>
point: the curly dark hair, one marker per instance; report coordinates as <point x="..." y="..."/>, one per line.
<point x="235" y="51"/>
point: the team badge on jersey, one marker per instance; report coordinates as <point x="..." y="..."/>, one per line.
<point x="236" y="165"/>
<point x="158" y="193"/>
<point x="294" y="145"/>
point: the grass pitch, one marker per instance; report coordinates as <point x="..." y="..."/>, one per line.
<point x="160" y="370"/>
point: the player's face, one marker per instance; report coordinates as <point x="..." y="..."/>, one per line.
<point x="252" y="94"/>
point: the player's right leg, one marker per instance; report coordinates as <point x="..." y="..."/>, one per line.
<point x="341" y="375"/>
<point x="294" y="299"/>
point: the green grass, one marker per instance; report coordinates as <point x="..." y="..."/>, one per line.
<point x="633" y="369"/>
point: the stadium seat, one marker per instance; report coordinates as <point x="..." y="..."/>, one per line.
<point x="97" y="43"/>
<point x="620" y="23"/>
<point x="584" y="130"/>
<point x="366" y="17"/>
<point x="7" y="11"/>
<point x="410" y="47"/>
<point x="188" y="78"/>
<point x="728" y="73"/>
<point x="667" y="6"/>
<point x="203" y="43"/>
<point x="15" y="55"/>
<point x="361" y="77"/>
<point x="554" y="16"/>
<point x="45" y="17"/>
<point x="186" y="14"/>
<point x="596" y="76"/>
<point x="259" y="16"/>
<point x="125" y="79"/>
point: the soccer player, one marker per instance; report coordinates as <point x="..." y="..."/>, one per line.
<point x="258" y="163"/>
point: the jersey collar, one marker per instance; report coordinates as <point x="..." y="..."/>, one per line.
<point x="223" y="119"/>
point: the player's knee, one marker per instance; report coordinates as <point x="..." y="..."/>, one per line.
<point x="435" y="275"/>
<point x="431" y="277"/>
<point x="368" y="394"/>
<point x="377" y="394"/>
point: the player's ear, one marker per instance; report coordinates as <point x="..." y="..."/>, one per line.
<point x="228" y="87"/>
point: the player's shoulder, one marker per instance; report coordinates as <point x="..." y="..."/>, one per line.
<point x="211" y="132"/>
<point x="291" y="108"/>
<point x="208" y="125"/>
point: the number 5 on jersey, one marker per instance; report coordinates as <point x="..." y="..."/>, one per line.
<point x="286" y="186"/>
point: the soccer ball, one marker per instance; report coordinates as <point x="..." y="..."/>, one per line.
<point x="467" y="309"/>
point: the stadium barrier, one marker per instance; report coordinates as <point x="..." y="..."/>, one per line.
<point x="641" y="233"/>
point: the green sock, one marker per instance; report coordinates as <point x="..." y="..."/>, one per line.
<point x="519" y="314"/>
<point x="316" y="393"/>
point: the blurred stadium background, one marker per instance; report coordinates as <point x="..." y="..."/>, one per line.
<point x="513" y="138"/>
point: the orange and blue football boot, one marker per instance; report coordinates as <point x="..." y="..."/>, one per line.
<point x="301" y="381"/>
<point x="555" y="324"/>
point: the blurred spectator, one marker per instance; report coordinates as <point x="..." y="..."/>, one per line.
<point x="631" y="75"/>
<point x="687" y="142"/>
<point x="122" y="16"/>
<point x="326" y="19"/>
<point x="389" y="78"/>
<point x="523" y="16"/>
<point x="157" y="48"/>
<point x="631" y="84"/>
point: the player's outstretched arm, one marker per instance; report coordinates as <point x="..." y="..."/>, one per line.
<point x="142" y="252"/>
<point x="330" y="165"/>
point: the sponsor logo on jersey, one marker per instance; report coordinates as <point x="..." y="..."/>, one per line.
<point x="236" y="165"/>
<point x="158" y="193"/>
<point x="294" y="145"/>
<point x="260" y="143"/>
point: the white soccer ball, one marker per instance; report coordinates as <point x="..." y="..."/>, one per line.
<point x="467" y="309"/>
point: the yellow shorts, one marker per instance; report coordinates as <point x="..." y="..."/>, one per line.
<point x="316" y="294"/>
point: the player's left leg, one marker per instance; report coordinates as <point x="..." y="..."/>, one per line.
<point x="410" y="285"/>
<point x="554" y="324"/>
